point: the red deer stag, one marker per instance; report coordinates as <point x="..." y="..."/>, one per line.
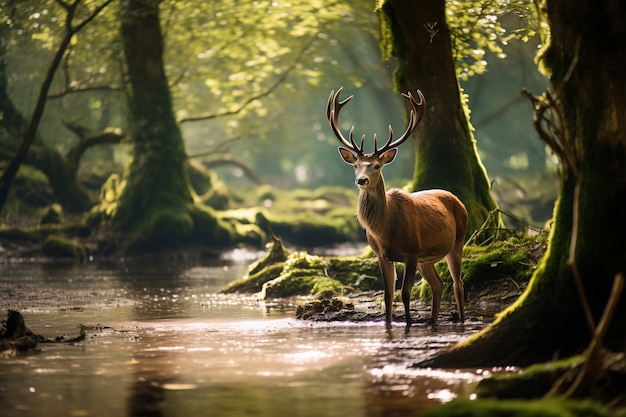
<point x="416" y="229"/>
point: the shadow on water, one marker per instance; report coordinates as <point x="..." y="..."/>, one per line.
<point x="162" y="341"/>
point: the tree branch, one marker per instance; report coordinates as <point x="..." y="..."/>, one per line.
<point x="216" y="148"/>
<point x="89" y="139"/>
<point x="262" y="94"/>
<point x="13" y="165"/>
<point x="68" y="91"/>
<point x="229" y="160"/>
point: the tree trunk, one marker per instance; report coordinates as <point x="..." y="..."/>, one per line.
<point x="156" y="183"/>
<point x="445" y="149"/>
<point x="67" y="190"/>
<point x="62" y="178"/>
<point x="586" y="58"/>
<point x="155" y="209"/>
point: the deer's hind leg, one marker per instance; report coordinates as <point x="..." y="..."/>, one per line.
<point x="410" y="267"/>
<point x="429" y="273"/>
<point x="453" y="259"/>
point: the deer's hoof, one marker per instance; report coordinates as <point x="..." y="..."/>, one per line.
<point x="456" y="318"/>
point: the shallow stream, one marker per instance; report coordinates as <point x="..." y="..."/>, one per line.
<point x="162" y="341"/>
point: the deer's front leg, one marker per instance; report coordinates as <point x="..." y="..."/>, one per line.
<point x="388" y="271"/>
<point x="410" y="268"/>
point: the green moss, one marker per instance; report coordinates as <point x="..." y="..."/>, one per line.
<point x="326" y="288"/>
<point x="40" y="233"/>
<point x="251" y="284"/>
<point x="60" y="247"/>
<point x="303" y="260"/>
<point x="52" y="214"/>
<point x="302" y="217"/>
<point x="31" y="187"/>
<point x="314" y="230"/>
<point x="533" y="382"/>
<point x="264" y="270"/>
<point x="358" y="273"/>
<point x="276" y="254"/>
<point x="169" y="223"/>
<point x="514" y="259"/>
<point x="265" y="192"/>
<point x="295" y="283"/>
<point x="209" y="229"/>
<point x="301" y="273"/>
<point x="553" y="407"/>
<point x="18" y="235"/>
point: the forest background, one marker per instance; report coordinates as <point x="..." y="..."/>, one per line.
<point x="248" y="87"/>
<point x="245" y="86"/>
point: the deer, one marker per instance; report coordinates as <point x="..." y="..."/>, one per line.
<point x="417" y="229"/>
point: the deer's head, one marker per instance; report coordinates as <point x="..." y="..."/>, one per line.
<point x="367" y="167"/>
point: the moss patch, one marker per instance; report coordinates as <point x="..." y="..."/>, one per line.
<point x="280" y="274"/>
<point x="305" y="218"/>
<point x="553" y="407"/>
<point x="60" y="247"/>
<point x="506" y="265"/>
<point x="302" y="274"/>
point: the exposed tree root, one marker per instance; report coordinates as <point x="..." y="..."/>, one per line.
<point x="16" y="338"/>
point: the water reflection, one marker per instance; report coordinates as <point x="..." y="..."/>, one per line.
<point x="169" y="344"/>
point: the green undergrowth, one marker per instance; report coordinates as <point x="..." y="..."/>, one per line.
<point x="539" y="390"/>
<point x="506" y="265"/>
<point x="303" y="274"/>
<point x="552" y="407"/>
<point x="281" y="274"/>
<point x="304" y="218"/>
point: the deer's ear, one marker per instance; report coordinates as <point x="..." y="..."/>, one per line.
<point x="389" y="156"/>
<point x="348" y="156"/>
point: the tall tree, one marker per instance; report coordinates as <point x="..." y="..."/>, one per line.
<point x="585" y="58"/>
<point x="155" y="204"/>
<point x="417" y="34"/>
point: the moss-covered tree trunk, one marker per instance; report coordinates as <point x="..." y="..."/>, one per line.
<point x="415" y="31"/>
<point x="155" y="208"/>
<point x="62" y="178"/>
<point x="156" y="198"/>
<point x="586" y="59"/>
<point x="66" y="188"/>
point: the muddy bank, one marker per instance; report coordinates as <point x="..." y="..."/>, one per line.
<point x="349" y="288"/>
<point x="366" y="307"/>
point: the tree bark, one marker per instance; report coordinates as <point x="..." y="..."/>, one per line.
<point x="155" y="209"/>
<point x="445" y="149"/>
<point x="586" y="60"/>
<point x="155" y="179"/>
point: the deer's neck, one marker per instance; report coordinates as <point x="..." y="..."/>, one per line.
<point x="372" y="209"/>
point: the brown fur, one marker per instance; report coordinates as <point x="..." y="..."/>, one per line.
<point x="415" y="229"/>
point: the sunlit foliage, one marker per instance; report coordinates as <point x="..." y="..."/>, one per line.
<point x="246" y="59"/>
<point x="477" y="29"/>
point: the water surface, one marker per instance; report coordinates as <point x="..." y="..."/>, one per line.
<point x="162" y="341"/>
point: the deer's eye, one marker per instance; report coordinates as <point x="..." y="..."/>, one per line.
<point x="376" y="166"/>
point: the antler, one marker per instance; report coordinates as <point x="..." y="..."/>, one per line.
<point x="415" y="117"/>
<point x="332" y="114"/>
